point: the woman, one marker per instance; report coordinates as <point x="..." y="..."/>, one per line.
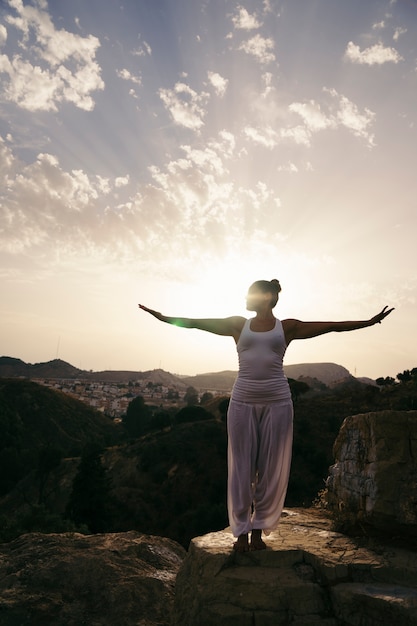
<point x="260" y="414"/>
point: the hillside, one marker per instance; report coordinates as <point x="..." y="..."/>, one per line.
<point x="170" y="481"/>
<point x="327" y="373"/>
<point x="34" y="418"/>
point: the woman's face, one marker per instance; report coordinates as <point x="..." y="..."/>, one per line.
<point x="257" y="299"/>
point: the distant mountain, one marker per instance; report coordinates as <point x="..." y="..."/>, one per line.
<point x="327" y="373"/>
<point x="221" y="381"/>
<point x="10" y="367"/>
<point x="330" y="374"/>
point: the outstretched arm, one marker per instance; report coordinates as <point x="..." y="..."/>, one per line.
<point x="295" y="329"/>
<point x="230" y="326"/>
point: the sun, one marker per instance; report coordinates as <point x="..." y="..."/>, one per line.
<point x="220" y="286"/>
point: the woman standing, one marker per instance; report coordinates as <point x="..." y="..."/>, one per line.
<point x="260" y="414"/>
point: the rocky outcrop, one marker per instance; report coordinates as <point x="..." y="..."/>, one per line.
<point x="308" y="575"/>
<point x="100" y="580"/>
<point x="374" y="478"/>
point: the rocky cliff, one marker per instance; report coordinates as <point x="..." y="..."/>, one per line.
<point x="308" y="575"/>
<point x="374" y="478"/>
<point x="98" y="580"/>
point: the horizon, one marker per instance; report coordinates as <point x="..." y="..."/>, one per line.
<point x="171" y="154"/>
<point x="188" y="375"/>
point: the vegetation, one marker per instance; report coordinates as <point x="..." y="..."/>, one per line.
<point x="90" y="501"/>
<point x="39" y="426"/>
<point x="168" y="475"/>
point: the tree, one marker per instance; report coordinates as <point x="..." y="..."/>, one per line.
<point x="385" y="382"/>
<point x="191" y="396"/>
<point x="137" y="420"/>
<point x="405" y="376"/>
<point x="89" y="501"/>
<point x="206" y="397"/>
<point x="49" y="458"/>
<point x="192" y="414"/>
<point x="298" y="387"/>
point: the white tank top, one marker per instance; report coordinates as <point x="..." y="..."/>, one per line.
<point x="261" y="377"/>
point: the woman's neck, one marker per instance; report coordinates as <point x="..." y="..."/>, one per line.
<point x="264" y="316"/>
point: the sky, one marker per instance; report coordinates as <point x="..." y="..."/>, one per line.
<point x="171" y="152"/>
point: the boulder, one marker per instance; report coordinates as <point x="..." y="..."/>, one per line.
<point x="374" y="478"/>
<point x="72" y="579"/>
<point x="308" y="575"/>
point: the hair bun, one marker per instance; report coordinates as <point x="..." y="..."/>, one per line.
<point x="276" y="284"/>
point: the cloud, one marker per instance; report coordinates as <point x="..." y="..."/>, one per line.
<point x="340" y="113"/>
<point x="69" y="71"/>
<point x="314" y="118"/>
<point x="266" y="137"/>
<point x="44" y="203"/>
<point x="260" y="48"/>
<point x="398" y="32"/>
<point x="300" y="135"/>
<point x="219" y="83"/>
<point x="191" y="208"/>
<point x="126" y="75"/>
<point x="334" y="112"/>
<point x="3" y="35"/>
<point x="121" y="181"/>
<point x="289" y="167"/>
<point x="374" y="55"/>
<point x="378" y="25"/>
<point x="143" y="50"/>
<point x="350" y="117"/>
<point x="244" y="20"/>
<point x="185" y="105"/>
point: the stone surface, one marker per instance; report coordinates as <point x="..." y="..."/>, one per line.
<point x="374" y="478"/>
<point x="308" y="575"/>
<point x="97" y="580"/>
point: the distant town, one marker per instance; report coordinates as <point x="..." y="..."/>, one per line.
<point x="113" y="398"/>
<point x="111" y="391"/>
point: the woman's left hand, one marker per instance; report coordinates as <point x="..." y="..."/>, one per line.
<point x="377" y="319"/>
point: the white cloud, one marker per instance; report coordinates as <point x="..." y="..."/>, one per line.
<point x="300" y="135"/>
<point x="124" y="74"/>
<point x="312" y="115"/>
<point x="191" y="208"/>
<point x="351" y="118"/>
<point x="266" y="137"/>
<point x="378" y="25"/>
<point x="267" y="80"/>
<point x="185" y="105"/>
<point x="260" y="48"/>
<point x="377" y="54"/>
<point x="121" y="181"/>
<point x="69" y="71"/>
<point x="244" y="20"/>
<point x="339" y="112"/>
<point x="143" y="50"/>
<point x="3" y="35"/>
<point x="289" y="167"/>
<point x="398" y="32"/>
<point x="219" y="83"/>
<point x="44" y="203"/>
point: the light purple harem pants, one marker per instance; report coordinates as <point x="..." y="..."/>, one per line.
<point x="259" y="459"/>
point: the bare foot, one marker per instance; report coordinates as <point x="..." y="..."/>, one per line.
<point x="242" y="544"/>
<point x="256" y="542"/>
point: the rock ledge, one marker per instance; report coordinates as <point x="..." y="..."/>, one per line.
<point x="308" y="575"/>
